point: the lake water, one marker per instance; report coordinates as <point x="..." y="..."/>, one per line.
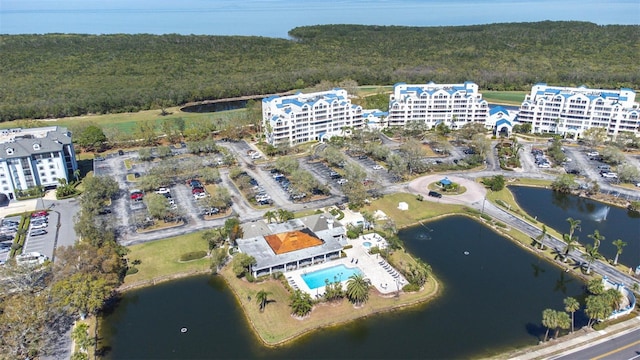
<point x="554" y="208"/>
<point x="492" y="300"/>
<point x="274" y="18"/>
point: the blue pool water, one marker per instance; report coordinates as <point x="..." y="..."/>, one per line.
<point x="366" y="244"/>
<point x="316" y="279"/>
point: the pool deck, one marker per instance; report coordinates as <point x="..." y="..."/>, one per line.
<point x="383" y="277"/>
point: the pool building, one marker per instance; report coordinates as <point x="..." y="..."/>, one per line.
<point x="280" y="247"/>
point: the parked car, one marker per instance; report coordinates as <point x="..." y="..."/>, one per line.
<point x="593" y="153"/>
<point x="610" y="175"/>
<point x="197" y="190"/>
<point x="342" y="181"/>
<point x="39" y="213"/>
<point x="435" y="194"/>
<point x="163" y="190"/>
<point x="39" y="226"/>
<point x="37" y="232"/>
<point x="137" y="196"/>
<point x="377" y="167"/>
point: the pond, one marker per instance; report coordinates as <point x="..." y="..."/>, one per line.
<point x="553" y="209"/>
<point x="493" y="296"/>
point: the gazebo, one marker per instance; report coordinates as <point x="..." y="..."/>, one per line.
<point x="445" y="182"/>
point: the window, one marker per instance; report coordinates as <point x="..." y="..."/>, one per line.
<point x="52" y="166"/>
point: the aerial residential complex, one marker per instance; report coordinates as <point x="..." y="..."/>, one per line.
<point x="570" y="111"/>
<point x="302" y="117"/>
<point x="35" y="157"/>
<point x="430" y="104"/>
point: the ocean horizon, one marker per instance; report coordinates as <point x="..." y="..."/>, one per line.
<point x="274" y="18"/>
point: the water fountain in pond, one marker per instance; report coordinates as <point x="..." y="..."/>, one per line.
<point x="601" y="214"/>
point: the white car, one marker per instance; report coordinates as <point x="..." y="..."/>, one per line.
<point x="342" y="181"/>
<point x="593" y="153"/>
<point x="610" y="175"/>
<point x="377" y="167"/>
<point x="39" y="226"/>
<point x="544" y="165"/>
<point x="201" y="195"/>
<point x="163" y="190"/>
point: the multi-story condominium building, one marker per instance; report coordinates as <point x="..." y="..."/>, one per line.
<point x="302" y="117"/>
<point x="35" y="157"/>
<point x="431" y="104"/>
<point x="570" y="111"/>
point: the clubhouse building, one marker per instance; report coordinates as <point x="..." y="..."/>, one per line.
<point x="35" y="157"/>
<point x="292" y="245"/>
<point x="569" y="111"/>
<point x="301" y="118"/>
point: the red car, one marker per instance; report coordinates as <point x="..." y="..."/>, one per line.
<point x="39" y="213"/>
<point x="197" y="190"/>
<point x="137" y="196"/>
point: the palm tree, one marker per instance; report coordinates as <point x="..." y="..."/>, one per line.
<point x="549" y="320"/>
<point x="597" y="238"/>
<point x="270" y="216"/>
<point x="76" y="174"/>
<point x="262" y="298"/>
<point x="571" y="305"/>
<point x="562" y="322"/>
<point x="574" y="225"/>
<point x="358" y="289"/>
<point x="572" y="243"/>
<point x="613" y="298"/>
<point x="595" y="286"/>
<point x="300" y="303"/>
<point x="619" y="244"/>
<point x="541" y="237"/>
<point x="591" y="255"/>
<point x="596" y="309"/>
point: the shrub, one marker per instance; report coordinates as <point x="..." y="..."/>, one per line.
<point x="420" y="197"/>
<point x="501" y="203"/>
<point x="502" y="225"/>
<point x="132" y="270"/>
<point x="411" y="287"/>
<point x="194" y="255"/>
<point x="486" y="217"/>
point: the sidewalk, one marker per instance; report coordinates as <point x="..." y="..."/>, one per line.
<point x="578" y="340"/>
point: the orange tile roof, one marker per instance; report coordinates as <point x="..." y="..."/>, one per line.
<point x="291" y="241"/>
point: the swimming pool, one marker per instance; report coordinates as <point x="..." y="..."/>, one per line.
<point x="366" y="244"/>
<point x="317" y="278"/>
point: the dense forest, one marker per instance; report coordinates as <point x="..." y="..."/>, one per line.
<point x="59" y="75"/>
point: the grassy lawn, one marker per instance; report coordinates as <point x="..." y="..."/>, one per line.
<point x="504" y="97"/>
<point x="418" y="210"/>
<point x="160" y="258"/>
<point x="323" y="315"/>
<point x="127" y="122"/>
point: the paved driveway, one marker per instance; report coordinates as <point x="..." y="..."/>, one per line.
<point x="475" y="192"/>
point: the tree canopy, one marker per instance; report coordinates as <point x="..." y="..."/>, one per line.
<point x="58" y="75"/>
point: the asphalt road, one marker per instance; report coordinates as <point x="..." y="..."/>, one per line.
<point x="625" y="346"/>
